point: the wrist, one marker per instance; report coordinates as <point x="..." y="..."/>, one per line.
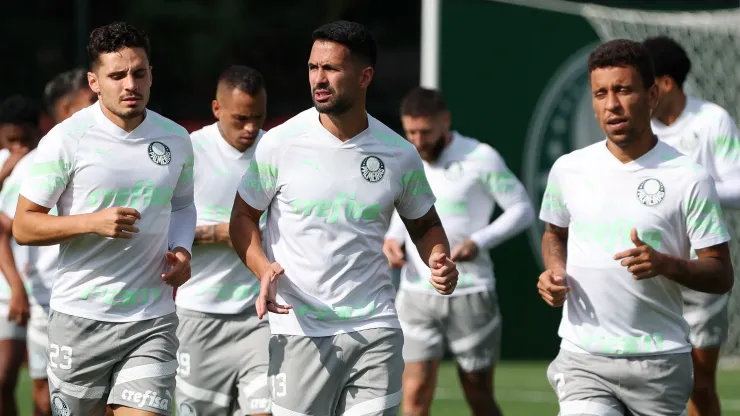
<point x="668" y="265"/>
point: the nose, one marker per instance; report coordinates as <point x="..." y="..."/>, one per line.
<point x="320" y="77"/>
<point x="129" y="83"/>
<point x="612" y="102"/>
<point x="250" y="128"/>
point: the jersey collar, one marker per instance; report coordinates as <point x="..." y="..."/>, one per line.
<point x="109" y="127"/>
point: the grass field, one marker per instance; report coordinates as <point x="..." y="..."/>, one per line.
<point x="521" y="389"/>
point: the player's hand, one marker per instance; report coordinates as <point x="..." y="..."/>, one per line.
<point x="444" y="273"/>
<point x="642" y="261"/>
<point x="179" y="261"/>
<point x="552" y="287"/>
<point x="115" y="222"/>
<point x="267" y="300"/>
<point x="18" y="308"/>
<point x="465" y="251"/>
<point x="392" y="249"/>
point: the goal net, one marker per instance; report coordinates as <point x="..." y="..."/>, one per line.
<point x="712" y="40"/>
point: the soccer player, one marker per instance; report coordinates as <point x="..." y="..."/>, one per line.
<point x="223" y="345"/>
<point x="331" y="177"/>
<point x="707" y="134"/>
<point x="121" y="178"/>
<point x="621" y="217"/>
<point x="19" y="127"/>
<point x="468" y="178"/>
<point x="67" y="93"/>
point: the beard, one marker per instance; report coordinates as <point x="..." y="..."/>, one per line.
<point x="336" y="105"/>
<point x="432" y="152"/>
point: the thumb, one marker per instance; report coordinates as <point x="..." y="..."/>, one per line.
<point x="635" y="239"/>
<point x="558" y="276"/>
<point x="170" y="257"/>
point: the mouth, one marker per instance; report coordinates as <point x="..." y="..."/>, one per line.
<point x="247" y="139"/>
<point x="131" y="101"/>
<point x="321" y="95"/>
<point x="617" y="123"/>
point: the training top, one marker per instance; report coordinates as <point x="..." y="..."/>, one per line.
<point x="330" y="204"/>
<point x="469" y="178"/>
<point x="672" y="203"/>
<point x="37" y="264"/>
<point x="220" y="282"/>
<point x="86" y="164"/>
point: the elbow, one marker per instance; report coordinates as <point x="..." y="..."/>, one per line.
<point x="728" y="282"/>
<point x="19" y="234"/>
<point x="528" y="216"/>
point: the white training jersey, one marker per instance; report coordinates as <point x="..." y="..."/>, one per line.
<point x="468" y="179"/>
<point x="4" y="287"/>
<point x="37" y="264"/>
<point x="220" y="282"/>
<point x="330" y="204"/>
<point x="673" y="204"/>
<point x="707" y="134"/>
<point x="86" y="164"/>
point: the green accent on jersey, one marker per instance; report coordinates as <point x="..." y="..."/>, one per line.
<point x="499" y="182"/>
<point x="186" y="175"/>
<point x="335" y="313"/>
<point x="142" y="194"/>
<point x="416" y="183"/>
<point x="610" y="236"/>
<point x="121" y="297"/>
<point x="218" y="213"/>
<point x="705" y="217"/>
<point x="451" y="207"/>
<point x="552" y="201"/>
<point x="392" y="139"/>
<point x="260" y="176"/>
<point x="623" y="345"/>
<point x="332" y="209"/>
<point x="56" y="168"/>
<point x="727" y="148"/>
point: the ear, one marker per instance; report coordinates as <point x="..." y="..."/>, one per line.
<point x="653" y="96"/>
<point x="216" y="108"/>
<point x="92" y="81"/>
<point x="151" y="76"/>
<point x="366" y="76"/>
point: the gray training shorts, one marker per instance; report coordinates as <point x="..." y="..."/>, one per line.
<point x="592" y="385"/>
<point x="469" y="324"/>
<point x="94" y="363"/>
<point x="223" y="363"/>
<point x="356" y="373"/>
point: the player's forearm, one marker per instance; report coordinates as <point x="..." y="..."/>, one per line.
<point x="212" y="234"/>
<point x="38" y="229"/>
<point x="708" y="275"/>
<point x="7" y="261"/>
<point x="554" y="250"/>
<point x="511" y="222"/>
<point x="433" y="241"/>
<point x="245" y="237"/>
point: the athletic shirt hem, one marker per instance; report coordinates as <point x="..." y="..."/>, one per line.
<point x="141" y="315"/>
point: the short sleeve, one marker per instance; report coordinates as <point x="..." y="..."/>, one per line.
<point x="705" y="224"/>
<point x="51" y="169"/>
<point x="259" y="183"/>
<point x="12" y="186"/>
<point x="554" y="209"/>
<point x="499" y="182"/>
<point x="416" y="197"/>
<point x="725" y="148"/>
<point x="184" y="190"/>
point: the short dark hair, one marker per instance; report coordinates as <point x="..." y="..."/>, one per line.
<point x="669" y="58"/>
<point x="423" y="102"/>
<point x="20" y="110"/>
<point x="354" y="36"/>
<point x="114" y="37"/>
<point x="243" y="78"/>
<point x="623" y="53"/>
<point x="62" y="85"/>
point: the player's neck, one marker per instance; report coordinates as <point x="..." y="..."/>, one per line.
<point x="127" y="124"/>
<point x="674" y="106"/>
<point x="636" y="149"/>
<point x="346" y="125"/>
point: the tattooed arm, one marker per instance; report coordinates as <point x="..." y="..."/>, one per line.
<point x="427" y="234"/>
<point x="210" y="234"/>
<point x="554" y="246"/>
